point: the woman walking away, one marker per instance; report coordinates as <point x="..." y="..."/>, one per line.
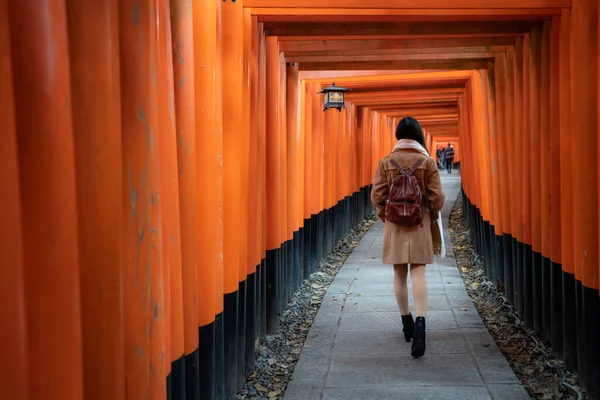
<point x="407" y="193"/>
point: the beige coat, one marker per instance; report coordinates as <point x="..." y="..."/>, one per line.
<point x="402" y="244"/>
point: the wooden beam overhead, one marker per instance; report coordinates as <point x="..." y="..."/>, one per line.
<point x="410" y="4"/>
<point x="399" y="15"/>
<point x="305" y="56"/>
<point x="289" y="46"/>
<point x="389" y="65"/>
<point x="282" y="29"/>
<point x="394" y="57"/>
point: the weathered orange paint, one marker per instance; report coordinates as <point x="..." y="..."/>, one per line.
<point x="545" y="149"/>
<point x="503" y="140"/>
<point x="14" y="373"/>
<point x="234" y="224"/>
<point x="184" y="280"/>
<point x="292" y="144"/>
<point x="273" y="160"/>
<point x="517" y="61"/>
<point x="284" y="228"/>
<point x="584" y="123"/>
<point x="47" y="171"/>
<point x="494" y="159"/>
<point x="535" y="137"/>
<point x="208" y="166"/>
<point x="251" y="87"/>
<point x="526" y="154"/>
<point x="555" y="183"/>
<point x="98" y="161"/>
<point x="166" y="159"/>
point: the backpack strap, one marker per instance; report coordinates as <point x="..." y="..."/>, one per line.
<point x="417" y="165"/>
<point x="403" y="169"/>
<point x="395" y="165"/>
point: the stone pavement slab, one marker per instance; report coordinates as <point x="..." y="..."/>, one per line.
<point x="355" y="348"/>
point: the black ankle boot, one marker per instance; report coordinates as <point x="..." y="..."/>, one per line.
<point x="418" y="345"/>
<point x="408" y="326"/>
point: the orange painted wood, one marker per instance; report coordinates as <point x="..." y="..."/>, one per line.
<point x="535" y="137"/>
<point x="262" y="95"/>
<point x="389" y="14"/>
<point x="504" y="140"/>
<point x="447" y="55"/>
<point x="234" y="223"/>
<point x="141" y="214"/>
<point x="218" y="127"/>
<point x="526" y="217"/>
<point x="584" y="123"/>
<point x="496" y="172"/>
<point x="208" y="166"/>
<point x="251" y="80"/>
<point x="417" y="44"/>
<point x="545" y="144"/>
<point x="284" y="228"/>
<point x="393" y="65"/>
<point x="41" y="75"/>
<point x="408" y="4"/>
<point x="284" y="30"/>
<point x="96" y="114"/>
<point x="14" y="373"/>
<point x="164" y="158"/>
<point x="517" y="61"/>
<point x="306" y="129"/>
<point x="186" y="280"/>
<point x="293" y="144"/>
<point x="556" y="235"/>
<point x="273" y="161"/>
<point x="302" y="150"/>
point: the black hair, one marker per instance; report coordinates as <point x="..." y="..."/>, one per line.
<point x="409" y="128"/>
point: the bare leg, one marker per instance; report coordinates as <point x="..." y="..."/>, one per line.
<point x="400" y="287"/>
<point x="419" y="288"/>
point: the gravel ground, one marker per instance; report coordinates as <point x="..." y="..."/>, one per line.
<point x="541" y="374"/>
<point x="278" y="354"/>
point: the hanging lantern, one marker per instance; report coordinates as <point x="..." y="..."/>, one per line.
<point x="333" y="97"/>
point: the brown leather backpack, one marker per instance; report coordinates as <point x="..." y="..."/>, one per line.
<point x="404" y="204"/>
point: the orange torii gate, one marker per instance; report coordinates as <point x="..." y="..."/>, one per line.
<point x="169" y="176"/>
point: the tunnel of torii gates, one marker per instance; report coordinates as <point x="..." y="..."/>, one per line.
<point x="169" y="176"/>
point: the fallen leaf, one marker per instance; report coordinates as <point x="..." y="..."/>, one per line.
<point x="464" y="309"/>
<point x="271" y="361"/>
<point x="260" y="387"/>
<point x="296" y="351"/>
<point x="316" y="286"/>
<point x="274" y="394"/>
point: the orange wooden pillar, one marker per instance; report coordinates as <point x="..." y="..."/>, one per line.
<point x="545" y="195"/>
<point x="495" y="175"/>
<point x="97" y="123"/>
<point x="141" y="197"/>
<point x="183" y="274"/>
<point x="209" y="197"/>
<point x="274" y="189"/>
<point x="233" y="188"/>
<point x="584" y="147"/>
<point x="14" y="373"/>
<point x="535" y="176"/>
<point x="250" y="82"/>
<point x="527" y="165"/>
<point x="505" y="166"/>
<point x="555" y="166"/>
<point x="293" y="172"/>
<point x="306" y="130"/>
<point x="48" y="197"/>
<point x="169" y="203"/>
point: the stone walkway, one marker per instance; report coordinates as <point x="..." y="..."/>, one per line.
<point x="355" y="348"/>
